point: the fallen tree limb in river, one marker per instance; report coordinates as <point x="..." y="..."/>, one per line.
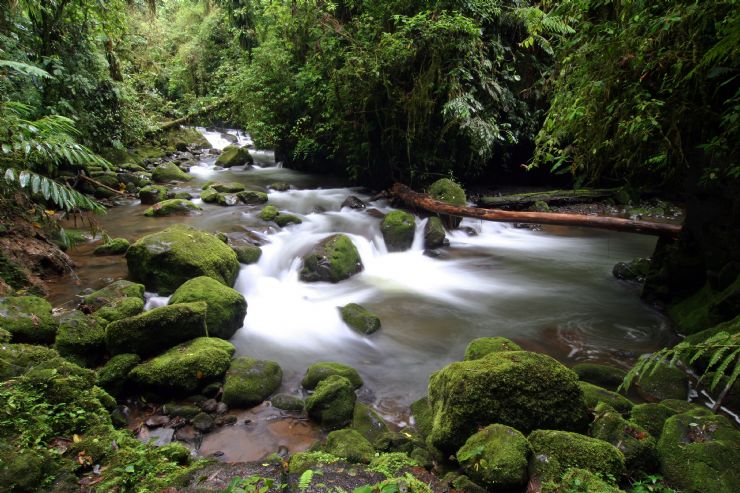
<point x="549" y="196"/>
<point x="174" y="123"/>
<point x="100" y="185"/>
<point x="425" y="202"/>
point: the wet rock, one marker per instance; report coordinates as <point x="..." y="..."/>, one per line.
<point x="398" y="228"/>
<point x="449" y="192"/>
<point x="469" y="231"/>
<point x="212" y="390"/>
<point x="360" y="319"/>
<point x="113" y="376"/>
<point x="635" y="270"/>
<point x="209" y="196"/>
<point x="595" y="394"/>
<point x="203" y="422"/>
<point x="231" y="187"/>
<point x="157" y="437"/>
<point x="172" y="207"/>
<point x="221" y="408"/>
<point x="605" y="376"/>
<point x="234" y="156"/>
<point x="637" y="445"/>
<point x="334" y="259"/>
<point x="81" y="338"/>
<point x="186" y="411"/>
<point x="209" y="406"/>
<point x="478" y="348"/>
<point x="287" y="402"/>
<point x="116" y="246"/>
<point x="349" y="445"/>
<point x="28" y="319"/>
<point x="434" y="233"/>
<point x="120" y="299"/>
<point x="324" y="369"/>
<point x="284" y="219"/>
<point x="226" y="306"/>
<point x="247" y="254"/>
<point x="279" y="186"/>
<point x="227" y="199"/>
<point x="119" y="416"/>
<point x="375" y="213"/>
<point x="496" y="457"/>
<point x="182" y="195"/>
<point x="168" y="172"/>
<point x="250" y="381"/>
<point x="252" y="198"/>
<point x="353" y="203"/>
<point x="667" y="382"/>
<point x="269" y="213"/>
<point x="157" y="421"/>
<point x="367" y="422"/>
<point x="332" y="403"/>
<point x="421" y="411"/>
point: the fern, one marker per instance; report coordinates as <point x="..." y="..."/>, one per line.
<point x="60" y="195"/>
<point x="305" y="480"/>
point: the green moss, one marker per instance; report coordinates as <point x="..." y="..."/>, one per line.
<point x="12" y="274"/>
<point x="392" y="464"/>
<point x="187" y="411"/>
<point x="209" y="196"/>
<point x="422" y="414"/>
<point x="447" y="191"/>
<point x="333" y="402"/>
<point x="580" y="480"/>
<point x="284" y="219"/>
<point x="324" y="369"/>
<point x="226" y="306"/>
<point x="16" y="359"/>
<point x="565" y="450"/>
<point x="666" y="382"/>
<point x="496" y="457"/>
<point x="231" y="187"/>
<point x="234" y="156"/>
<point x="26" y="470"/>
<point x="185" y="368"/>
<point x="148" y="152"/>
<point x="250" y="381"/>
<point x="595" y="394"/>
<point x="651" y="417"/>
<point x="5" y="336"/>
<point x="360" y="319"/>
<point x="116" y="246"/>
<point x="112" y="292"/>
<point x="408" y="484"/>
<point x="334" y="259"/>
<point x="349" y="445"/>
<point x="434" y="233"/>
<point x="520" y="389"/>
<point x="113" y="376"/>
<point x="269" y="213"/>
<point x="81" y="338"/>
<point x="107" y="400"/>
<point x="393" y="441"/>
<point x="172" y="207"/>
<point x="165" y="260"/>
<point x="287" y="402"/>
<point x="28" y="318"/>
<point x="153" y="194"/>
<point x="367" y="422"/>
<point x="227" y="199"/>
<point x="303" y="461"/>
<point x="398" y="228"/>
<point x="252" y="198"/>
<point x="634" y="441"/>
<point x="182" y="137"/>
<point x="157" y="329"/>
<point x="247" y="254"/>
<point x="121" y="308"/>
<point x="477" y="348"/>
<point x="169" y="172"/>
<point x="700" y="453"/>
<point x="604" y="376"/>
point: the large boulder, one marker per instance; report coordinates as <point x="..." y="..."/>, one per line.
<point x="172" y="207"/>
<point x="360" y="318"/>
<point x="398" y="228"/>
<point x="247" y="254"/>
<point x="605" y="376"/>
<point x="334" y="259"/>
<point x="152" y="194"/>
<point x="496" y="457"/>
<point x="666" y="382"/>
<point x="226" y="306"/>
<point x="185" y="368"/>
<point x="165" y="260"/>
<point x="651" y="416"/>
<point x="324" y="369"/>
<point x="520" y="389"/>
<point x="81" y="338"/>
<point x="120" y="299"/>
<point x="449" y="192"/>
<point x="234" y="156"/>
<point x="333" y="402"/>
<point x="169" y="172"/>
<point x="113" y="376"/>
<point x="28" y="319"/>
<point x="483" y="346"/>
<point x="157" y="329"/>
<point x="114" y="246"/>
<point x="250" y="381"/>
<point x="595" y="394"/>
<point x="350" y="445"/>
<point x="637" y="445"/>
<point x="251" y="197"/>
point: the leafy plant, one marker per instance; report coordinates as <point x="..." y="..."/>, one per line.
<point x="252" y="484"/>
<point x="650" y="484"/>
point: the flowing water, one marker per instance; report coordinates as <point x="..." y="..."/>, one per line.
<point x="549" y="290"/>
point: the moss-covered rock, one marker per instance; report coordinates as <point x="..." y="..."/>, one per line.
<point x="152" y="194"/>
<point x="156" y="330"/>
<point x="28" y="319"/>
<point x="185" y="368"/>
<point x="5" y="336"/>
<point x="520" y="389"/>
<point x="333" y="402"/>
<point x="209" y="196"/>
<point x="269" y="213"/>
<point x="227" y="199"/>
<point x="231" y="187"/>
<point x="168" y="172"/>
<point x="634" y="441"/>
<point x="115" y="246"/>
<point x="172" y="207"/>
<point x="234" y="156"/>
<point x="247" y="254"/>
<point x="288" y="402"/>
<point x="360" y="319"/>
<point x="181" y="138"/>
<point x="422" y="414"/>
<point x="112" y="292"/>
<point x="434" y="233"/>
<point x="121" y="308"/>
<point x="449" y="192"/>
<point x="496" y="457"/>
<point x="16" y="359"/>
<point x="580" y="480"/>
<point x="634" y="270"/>
<point x="283" y="219"/>
<point x="605" y="376"/>
<point x="250" y="381"/>
<point x="700" y="453"/>
<point x="252" y="198"/>
<point x="81" y="338"/>
<point x="667" y="382"/>
<point x="367" y="422"/>
<point x="398" y="228"/>
<point x="324" y="369"/>
<point x="165" y="260"/>
<point x="651" y="416"/>
<point x="350" y="445"/>
<point x="595" y="394"/>
<point x="26" y="470"/>
<point x="559" y="451"/>
<point x="303" y="461"/>
<point x="392" y="464"/>
<point x="113" y="376"/>
<point x="334" y="259"/>
<point x="477" y="348"/>
<point x="226" y="306"/>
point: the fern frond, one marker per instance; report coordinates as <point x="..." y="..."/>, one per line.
<point x="25" y="69"/>
<point x="58" y="194"/>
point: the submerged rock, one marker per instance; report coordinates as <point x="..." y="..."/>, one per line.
<point x="288" y="402"/>
<point x="172" y="207"/>
<point x="250" y="381"/>
<point x="234" y="156"/>
<point x="334" y="259"/>
<point x="496" y="457"/>
<point x="635" y="270"/>
<point x="360" y="319"/>
<point x="478" y="348"/>
<point x="227" y="199"/>
<point x="332" y="403"/>
<point x="367" y="422"/>
<point x="323" y="370"/>
<point x="169" y="172"/>
<point x="226" y="306"/>
<point x="398" y="228"/>
<point x="284" y="219"/>
<point x="28" y="319"/>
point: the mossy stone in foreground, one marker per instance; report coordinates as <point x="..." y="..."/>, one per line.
<point x="284" y="219"/>
<point x="114" y="374"/>
<point x="185" y="368"/>
<point x="172" y="207"/>
<point x="234" y="156"/>
<point x="158" y="329"/>
<point x="247" y="254"/>
<point x="520" y="389"/>
<point x="496" y="457"/>
<point x="116" y="246"/>
<point x="422" y="414"/>
<point x="700" y="453"/>
<point x="81" y="338"/>
<point x="165" y="260"/>
<point x="28" y="318"/>
<point x="667" y="382"/>
<point x="580" y="480"/>
<point x="226" y="306"/>
<point x="209" y="195"/>
<point x="152" y="194"/>
<point x="303" y="461"/>
<point x="250" y="381"/>
<point x="360" y="318"/>
<point x="112" y="292"/>
<point x="605" y="376"/>
<point x="252" y="198"/>
<point x="324" y="369"/>
<point x="477" y="348"/>
<point x="121" y="308"/>
<point x="635" y="442"/>
<point x="333" y="402"/>
<point x="398" y="228"/>
<point x="349" y="445"/>
<point x="595" y="394"/>
<point x="169" y="172"/>
<point x="334" y="259"/>
<point x="16" y="359"/>
<point x="651" y="417"/>
<point x="269" y="213"/>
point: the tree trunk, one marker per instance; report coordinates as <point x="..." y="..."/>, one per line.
<point x="425" y="202"/>
<point x="523" y="200"/>
<point x="175" y="123"/>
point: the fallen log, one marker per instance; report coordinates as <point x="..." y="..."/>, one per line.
<point x="425" y="202"/>
<point x="175" y="123"/>
<point x="100" y="185"/>
<point x="523" y="200"/>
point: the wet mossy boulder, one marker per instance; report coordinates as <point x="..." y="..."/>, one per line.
<point x="324" y="369"/>
<point x="350" y="445"/>
<point x="605" y="376"/>
<point x="113" y="376"/>
<point x="115" y="246"/>
<point x="156" y="330"/>
<point x="421" y="411"/>
<point x="250" y="381"/>
<point x="234" y="156"/>
<point x="576" y="480"/>
<point x="554" y="452"/>
<point x="247" y="254"/>
<point x="227" y="199"/>
<point x="287" y="402"/>
<point x="165" y="260"/>
<point x="172" y="207"/>
<point x="152" y="194"/>
<point x="449" y="192"/>
<point x="252" y="197"/>
<point x="634" y="441"/>
<point x="367" y="422"/>
<point x="651" y="416"/>
<point x="283" y="219"/>
<point x="112" y="292"/>
<point x="634" y="270"/>
<point x="398" y="228"/>
<point x="209" y="196"/>
<point x="81" y="338"/>
<point x="26" y="470"/>
<point x="360" y="318"/>
<point x="520" y="389"/>
<point x="185" y="368"/>
<point x="231" y="187"/>
<point x="121" y="308"/>
<point x="478" y="348"/>
<point x="700" y="453"/>
<point x="333" y="402"/>
<point x="334" y="259"/>
<point x="28" y="319"/>
<point x="496" y="457"/>
<point x="226" y="306"/>
<point x="434" y="233"/>
<point x="16" y="359"/>
<point x="5" y="336"/>
<point x="269" y="213"/>
<point x="666" y="382"/>
<point x="595" y="394"/>
<point x="168" y="172"/>
<point x="303" y="461"/>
